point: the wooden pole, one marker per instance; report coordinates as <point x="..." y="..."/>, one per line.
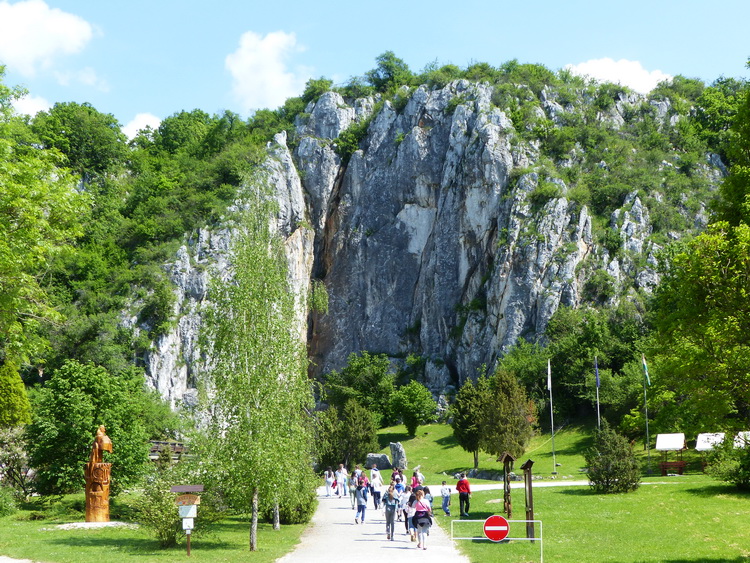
<point x="529" y="499"/>
<point x="187" y="532"/>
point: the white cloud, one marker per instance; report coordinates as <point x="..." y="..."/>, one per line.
<point x="625" y="72"/>
<point x="31" y="105"/>
<point x="33" y="35"/>
<point x="140" y="121"/>
<point x="86" y="76"/>
<point x="261" y="78"/>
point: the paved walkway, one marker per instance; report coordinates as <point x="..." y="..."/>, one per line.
<point x="333" y="536"/>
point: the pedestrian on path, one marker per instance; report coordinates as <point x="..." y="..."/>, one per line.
<point x="422" y="519"/>
<point x="376" y="485"/>
<point x="390" y="504"/>
<point x="464" y="493"/>
<point x="353" y="482"/>
<point x="329" y="477"/>
<point x="342" y="479"/>
<point x="361" y="495"/>
<point x="445" y="492"/>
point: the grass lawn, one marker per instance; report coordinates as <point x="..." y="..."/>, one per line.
<point x="686" y="519"/>
<point x="681" y="519"/>
<point x="31" y="534"/>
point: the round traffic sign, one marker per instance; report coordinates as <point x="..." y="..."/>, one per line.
<point x="496" y="528"/>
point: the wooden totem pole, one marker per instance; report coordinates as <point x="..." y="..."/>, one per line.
<point x="97" y="479"/>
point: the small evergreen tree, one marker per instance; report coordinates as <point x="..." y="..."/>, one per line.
<point x="505" y="416"/>
<point x="14" y="404"/>
<point x="358" y="433"/>
<point x="612" y="464"/>
<point x="466" y="413"/>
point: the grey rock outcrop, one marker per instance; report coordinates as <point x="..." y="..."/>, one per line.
<point x="380" y="461"/>
<point x="432" y="239"/>
<point x="398" y="455"/>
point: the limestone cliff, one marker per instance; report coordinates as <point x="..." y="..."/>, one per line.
<point x="433" y="239"/>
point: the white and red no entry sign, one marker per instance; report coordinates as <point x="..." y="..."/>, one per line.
<point x="496" y="528"/>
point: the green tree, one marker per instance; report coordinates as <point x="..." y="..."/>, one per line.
<point x="256" y="395"/>
<point x="69" y="408"/>
<point x="368" y="379"/>
<point x="390" y="73"/>
<point x="414" y="404"/>
<point x="40" y="215"/>
<point x="466" y="413"/>
<point x="91" y="141"/>
<point x="15" y="409"/>
<point x="358" y="434"/>
<point x="612" y="467"/>
<point x="506" y="416"/>
<point x="702" y="321"/>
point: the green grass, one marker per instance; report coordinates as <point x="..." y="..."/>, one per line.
<point x="40" y="540"/>
<point x="686" y="519"/>
<point x="681" y="519"/>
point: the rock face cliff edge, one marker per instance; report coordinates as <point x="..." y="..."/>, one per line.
<point x="431" y="239"/>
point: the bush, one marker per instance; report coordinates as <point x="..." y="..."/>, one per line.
<point x="730" y="464"/>
<point x="612" y="464"/>
<point x="156" y="510"/>
<point x="7" y="501"/>
<point x="298" y="509"/>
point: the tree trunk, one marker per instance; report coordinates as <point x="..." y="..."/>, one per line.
<point x="276" y="523"/>
<point x="476" y="459"/>
<point x="254" y="522"/>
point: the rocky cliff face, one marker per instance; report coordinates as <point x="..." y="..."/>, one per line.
<point x="429" y="240"/>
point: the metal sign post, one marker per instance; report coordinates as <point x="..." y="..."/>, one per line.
<point x="497" y="527"/>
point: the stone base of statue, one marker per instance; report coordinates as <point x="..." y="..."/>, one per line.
<point x="97" y="491"/>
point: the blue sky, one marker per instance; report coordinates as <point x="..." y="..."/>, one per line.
<point x="145" y="60"/>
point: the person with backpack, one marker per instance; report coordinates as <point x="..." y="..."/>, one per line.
<point x="361" y="495"/>
<point x="422" y="518"/>
<point x="390" y="505"/>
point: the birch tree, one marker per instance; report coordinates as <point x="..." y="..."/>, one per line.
<point x="256" y="394"/>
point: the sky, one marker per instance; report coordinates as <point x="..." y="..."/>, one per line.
<point x="144" y="60"/>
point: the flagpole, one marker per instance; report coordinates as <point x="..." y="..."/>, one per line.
<point x="551" y="416"/>
<point x="598" y="415"/>
<point x="646" y="382"/>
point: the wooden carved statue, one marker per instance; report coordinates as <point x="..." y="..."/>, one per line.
<point x="97" y="479"/>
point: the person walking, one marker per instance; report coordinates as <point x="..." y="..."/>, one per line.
<point x="464" y="493"/>
<point x="376" y="485"/>
<point x="422" y="519"/>
<point x="403" y="503"/>
<point x="329" y="477"/>
<point x="445" y="492"/>
<point x="342" y="478"/>
<point x="390" y="505"/>
<point x="361" y="494"/>
<point x="353" y="482"/>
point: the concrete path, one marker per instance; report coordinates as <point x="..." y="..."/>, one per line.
<point x="333" y="536"/>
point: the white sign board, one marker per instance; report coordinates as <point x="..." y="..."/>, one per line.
<point x="670" y="442"/>
<point x="187" y="523"/>
<point x="708" y="441"/>
<point x="189" y="511"/>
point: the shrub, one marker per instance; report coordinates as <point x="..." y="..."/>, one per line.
<point x="7" y="501"/>
<point x="730" y="464"/>
<point x="156" y="510"/>
<point x="611" y="462"/>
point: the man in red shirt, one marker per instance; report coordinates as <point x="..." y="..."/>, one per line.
<point x="464" y="492"/>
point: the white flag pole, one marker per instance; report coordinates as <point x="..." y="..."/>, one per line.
<point x="551" y="416"/>
<point x="598" y="415"/>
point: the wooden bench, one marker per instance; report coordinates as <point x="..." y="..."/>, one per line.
<point x="679" y="466"/>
